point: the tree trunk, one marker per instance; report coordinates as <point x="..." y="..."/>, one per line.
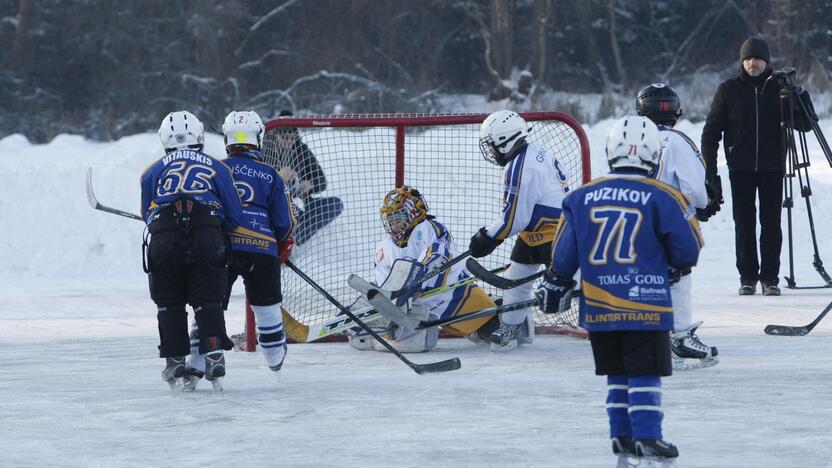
<point x="616" y="52"/>
<point x="543" y="16"/>
<point x="502" y="35"/>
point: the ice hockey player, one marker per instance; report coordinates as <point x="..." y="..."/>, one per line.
<point x="624" y="231"/>
<point x="189" y="202"/>
<point x="682" y="167"/>
<point x="414" y="235"/>
<point x="534" y="186"/>
<point x="263" y="240"/>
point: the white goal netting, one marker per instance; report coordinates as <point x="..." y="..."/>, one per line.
<point x="340" y="168"/>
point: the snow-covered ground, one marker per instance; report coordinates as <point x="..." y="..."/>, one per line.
<point x="81" y="383"/>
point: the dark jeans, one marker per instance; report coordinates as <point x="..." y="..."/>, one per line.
<point x="746" y="187"/>
<point x="317" y="213"/>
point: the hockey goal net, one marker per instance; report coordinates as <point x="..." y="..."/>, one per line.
<point x="362" y="157"/>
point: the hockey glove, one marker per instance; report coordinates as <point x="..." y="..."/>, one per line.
<point x="482" y="244"/>
<point x="713" y="185"/>
<point x="675" y="274"/>
<point x="555" y="294"/>
<point x="284" y="249"/>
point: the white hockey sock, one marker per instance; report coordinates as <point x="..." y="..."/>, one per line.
<point x="680" y="293"/>
<point x="520" y="293"/>
<point x="195" y="360"/>
<point x="270" y="332"/>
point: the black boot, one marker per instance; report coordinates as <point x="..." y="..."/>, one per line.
<point x="652" y="448"/>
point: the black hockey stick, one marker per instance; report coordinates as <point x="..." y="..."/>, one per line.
<point x="98" y="206"/>
<point x="496" y="280"/>
<point x="434" y="367"/>
<point x="389" y="310"/>
<point x="785" y="330"/>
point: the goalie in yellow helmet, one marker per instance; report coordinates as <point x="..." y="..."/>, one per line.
<point x="413" y="235"/>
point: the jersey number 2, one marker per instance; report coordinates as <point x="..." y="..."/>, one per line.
<point x="617" y="231"/>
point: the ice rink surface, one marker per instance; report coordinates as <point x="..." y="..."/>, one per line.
<point x="81" y="380"/>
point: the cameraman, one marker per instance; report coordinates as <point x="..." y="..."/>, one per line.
<point x="746" y="109"/>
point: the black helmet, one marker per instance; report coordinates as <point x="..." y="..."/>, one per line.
<point x="659" y="103"/>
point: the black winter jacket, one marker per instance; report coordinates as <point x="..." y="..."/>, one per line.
<point x="747" y="111"/>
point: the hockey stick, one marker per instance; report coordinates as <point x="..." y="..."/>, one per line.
<point x="785" y="330"/>
<point x="383" y="305"/>
<point x="495" y="280"/>
<point x="302" y="333"/>
<point x="434" y="367"/>
<point x="98" y="206"/>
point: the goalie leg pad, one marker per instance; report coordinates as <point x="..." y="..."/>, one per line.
<point x="409" y="341"/>
<point x="518" y="294"/>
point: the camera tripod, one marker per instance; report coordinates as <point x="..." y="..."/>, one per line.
<point x="794" y="101"/>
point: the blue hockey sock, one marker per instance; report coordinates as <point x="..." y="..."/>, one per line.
<point x="645" y="395"/>
<point x="617" y="405"/>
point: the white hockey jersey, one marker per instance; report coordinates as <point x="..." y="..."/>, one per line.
<point x="682" y="166"/>
<point x="431" y="244"/>
<point x="535" y="185"/>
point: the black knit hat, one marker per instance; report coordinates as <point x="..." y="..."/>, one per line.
<point x="755" y="47"/>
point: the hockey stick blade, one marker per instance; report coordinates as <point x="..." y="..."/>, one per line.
<point x="435" y="367"/>
<point x="495" y="280"/>
<point x="98" y="206"/>
<point x="784" y="330"/>
<point x="481" y="313"/>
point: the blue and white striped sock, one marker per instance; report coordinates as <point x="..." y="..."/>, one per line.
<point x="617" y="405"/>
<point x="270" y="333"/>
<point x="645" y="395"/>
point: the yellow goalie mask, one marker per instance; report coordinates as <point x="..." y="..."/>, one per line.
<point x="402" y="209"/>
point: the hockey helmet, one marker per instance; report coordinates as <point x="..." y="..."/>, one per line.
<point x="500" y="134"/>
<point x="244" y="128"/>
<point x="402" y="209"/>
<point x="634" y="142"/>
<point x="180" y="130"/>
<point x="660" y="103"/>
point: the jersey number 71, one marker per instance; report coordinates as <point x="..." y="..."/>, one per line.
<point x="617" y="231"/>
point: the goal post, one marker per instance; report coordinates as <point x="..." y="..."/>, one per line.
<point x="339" y="167"/>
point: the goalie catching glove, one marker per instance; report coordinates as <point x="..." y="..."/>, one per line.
<point x="554" y="294"/>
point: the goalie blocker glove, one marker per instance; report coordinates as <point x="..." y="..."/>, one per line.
<point x="555" y="294"/>
<point x="482" y="244"/>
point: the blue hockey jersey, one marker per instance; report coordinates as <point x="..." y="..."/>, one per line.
<point x="193" y="174"/>
<point x="623" y="232"/>
<point x="268" y="213"/>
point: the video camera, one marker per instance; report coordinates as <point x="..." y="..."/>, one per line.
<point x="787" y="76"/>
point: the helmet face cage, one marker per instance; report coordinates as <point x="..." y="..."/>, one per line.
<point x="402" y="209"/>
<point x="660" y="103"/>
<point x="499" y="134"/>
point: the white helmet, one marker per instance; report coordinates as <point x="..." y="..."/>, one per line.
<point x="499" y="133"/>
<point x="243" y="128"/>
<point x="180" y="130"/>
<point x="634" y="141"/>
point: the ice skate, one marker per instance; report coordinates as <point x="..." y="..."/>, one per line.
<point x="174" y="372"/>
<point x="192" y="378"/>
<point x="215" y="369"/>
<point x="505" y="338"/>
<point x="689" y="352"/>
<point x="275" y="357"/>
<point x="624" y="448"/>
<point x="656" y="453"/>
